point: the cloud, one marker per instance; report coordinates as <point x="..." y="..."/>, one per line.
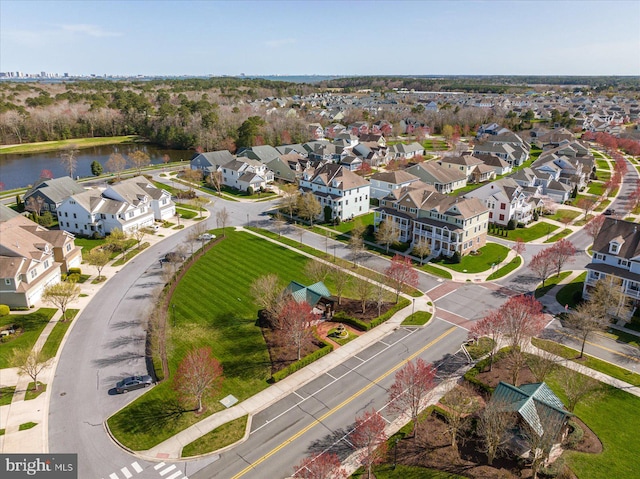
<point x="91" y="30"/>
<point x="280" y="42"/>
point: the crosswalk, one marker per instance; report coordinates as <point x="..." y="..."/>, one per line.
<point x="165" y="471"/>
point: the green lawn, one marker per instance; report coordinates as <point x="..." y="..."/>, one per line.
<point x="220" y="437"/>
<point x="164" y="186"/>
<point x="31" y="393"/>
<point x="88" y="244"/>
<point x="62" y="144"/>
<point x="596" y="188"/>
<point x="602" y="165"/>
<point x="435" y="145"/>
<point x="561" y="214"/>
<point x="6" y="394"/>
<point x="32" y="323"/>
<point x="27" y="425"/>
<point x="436" y="271"/>
<point x="187" y="214"/>
<point x="347" y="226"/>
<point x="568" y="293"/>
<point x="530" y="233"/>
<point x="223" y="316"/>
<point x="505" y="270"/>
<point x="130" y="254"/>
<point x="613" y="416"/>
<point x="386" y="471"/>
<point x="241" y="194"/>
<point x="602" y="205"/>
<point x="419" y="318"/>
<point x="550" y="283"/>
<point x="490" y="254"/>
<point x="558" y="236"/>
<point x="603" y="175"/>
<point x="51" y="345"/>
<point x="333" y="334"/>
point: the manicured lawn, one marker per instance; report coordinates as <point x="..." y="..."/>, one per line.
<point x="603" y="175"/>
<point x="602" y="165"/>
<point x="613" y="416"/>
<point x="558" y="236"/>
<point x="602" y="205"/>
<point x="164" y="186"/>
<point x="218" y="438"/>
<point x="62" y="144"/>
<point x="242" y="194"/>
<point x="213" y="308"/>
<point x="480" y="348"/>
<point x="596" y="188"/>
<point x="589" y="361"/>
<point x="435" y="145"/>
<point x="386" y="471"/>
<point x="505" y="270"/>
<point x="51" y="345"/>
<point x="621" y="336"/>
<point x="6" y="395"/>
<point x="333" y="334"/>
<point x="27" y="425"/>
<point x="130" y="254"/>
<point x="88" y="244"/>
<point x="568" y="292"/>
<point x="419" y="318"/>
<point x="530" y="233"/>
<point x="347" y="226"/>
<point x="550" y="283"/>
<point x="561" y="214"/>
<point x="32" y="324"/>
<point x="490" y="254"/>
<point x="434" y="270"/>
<point x="187" y="214"/>
<point x="31" y="394"/>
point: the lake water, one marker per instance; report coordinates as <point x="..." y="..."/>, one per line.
<point x="19" y="171"/>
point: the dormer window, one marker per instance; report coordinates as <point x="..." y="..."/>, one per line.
<point x="614" y="247"/>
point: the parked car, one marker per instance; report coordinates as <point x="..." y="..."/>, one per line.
<point x="133" y="382"/>
<point x="609" y="212"/>
<point x="206" y="237"/>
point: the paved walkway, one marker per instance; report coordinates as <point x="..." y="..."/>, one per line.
<point x="36" y="410"/>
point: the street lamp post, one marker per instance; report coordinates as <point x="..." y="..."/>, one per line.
<point x="413" y="308"/>
<point x="173" y="307"/>
<point x="247" y="218"/>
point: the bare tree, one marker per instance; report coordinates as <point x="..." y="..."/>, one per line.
<point x="577" y="387"/>
<point x="139" y="159"/>
<point x="379" y="295"/>
<point x="363" y="290"/>
<point x="294" y="324"/>
<point x="459" y="404"/>
<point x="608" y="297"/>
<point x="279" y="222"/>
<point x="543" y="436"/>
<point x="387" y="234"/>
<point x="341" y="280"/>
<point x="401" y="274"/>
<point x="586" y="318"/>
<point x="199" y="375"/>
<point x="356" y="241"/>
<point x="308" y="207"/>
<point x="34" y="204"/>
<point x="421" y="250"/>
<point x="317" y="270"/>
<point x="266" y="292"/>
<point x="30" y="362"/>
<point x="543" y="362"/>
<point x="61" y="295"/>
<point x="289" y="200"/>
<point x="493" y="426"/>
<point x="594" y="226"/>
<point x="194" y="235"/>
<point x="215" y="180"/>
<point x="68" y="158"/>
<point x="222" y="218"/>
<point x="139" y="234"/>
<point x="411" y="388"/>
<point x="199" y="202"/>
<point x="116" y="164"/>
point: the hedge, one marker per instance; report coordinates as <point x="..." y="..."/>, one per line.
<point x="342" y="317"/>
<point x="4" y="310"/>
<point x="480" y="366"/>
<point x="77" y="271"/>
<point x="308" y="359"/>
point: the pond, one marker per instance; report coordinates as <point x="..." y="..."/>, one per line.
<point x="22" y="170"/>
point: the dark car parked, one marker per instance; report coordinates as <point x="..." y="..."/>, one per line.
<point x="133" y="382"/>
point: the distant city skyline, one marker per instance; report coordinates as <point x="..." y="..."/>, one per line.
<point x="170" y="38"/>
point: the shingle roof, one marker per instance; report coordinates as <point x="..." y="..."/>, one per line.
<point x="395" y="177"/>
<point x="56" y="189"/>
<point x="311" y="294"/>
<point x="613" y="228"/>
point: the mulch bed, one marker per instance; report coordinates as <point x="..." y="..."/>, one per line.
<point x="353" y="308"/>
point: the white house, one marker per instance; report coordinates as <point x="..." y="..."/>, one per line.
<point x="385" y="181"/>
<point x="129" y="205"/>
<point x="344" y="192"/>
<point x="506" y="200"/>
<point x="245" y="173"/>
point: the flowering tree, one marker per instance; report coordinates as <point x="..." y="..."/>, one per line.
<point x="562" y="252"/>
<point x="411" y="386"/>
<point x="369" y="436"/>
<point x="199" y="375"/>
<point x="518" y="247"/>
<point x="294" y="324"/>
<point x="542" y="264"/>
<point x="594" y="226"/>
<point x="401" y="274"/>
<point x="323" y="466"/>
<point x="492" y="327"/>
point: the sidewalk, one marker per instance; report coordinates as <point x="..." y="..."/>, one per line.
<point x="19" y="412"/>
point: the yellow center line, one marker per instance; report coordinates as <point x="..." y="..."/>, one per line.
<point x="602" y="347"/>
<point x="342" y="404"/>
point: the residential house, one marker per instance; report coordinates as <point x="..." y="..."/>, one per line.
<point x="616" y="254"/>
<point x="296" y="148"/>
<point x="262" y="153"/>
<point x="210" y="162"/>
<point x="501" y="150"/>
<point x="506" y="200"/>
<point x="50" y="193"/>
<point x="245" y="174"/>
<point x="316" y="132"/>
<point x="466" y="164"/>
<point x="352" y="163"/>
<point x="385" y="181"/>
<point x="358" y="128"/>
<point x="400" y="151"/>
<point x="32" y="258"/>
<point x="444" y="180"/>
<point x="500" y="166"/>
<point x="375" y="138"/>
<point x="128" y="205"/>
<point x="341" y="190"/>
<point x="371" y="153"/>
<point x="448" y="224"/>
<point x="334" y="129"/>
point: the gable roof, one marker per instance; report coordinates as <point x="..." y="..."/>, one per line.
<point x="394" y="177"/>
<point x="626" y="230"/>
<point x="56" y="189"/>
<point x="212" y="158"/>
<point x="432" y="171"/>
<point x="345" y="179"/>
<point x="311" y="294"/>
<point x="7" y="213"/>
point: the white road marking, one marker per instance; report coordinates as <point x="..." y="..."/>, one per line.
<point x="126" y="473"/>
<point x="159" y="466"/>
<point x="168" y="470"/>
<point x="113" y="476"/>
<point x="137" y="467"/>
<point x="174" y="475"/>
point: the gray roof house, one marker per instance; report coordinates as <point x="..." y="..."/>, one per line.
<point x="51" y="193"/>
<point x="210" y="162"/>
<point x="262" y="153"/>
<point x="444" y="180"/>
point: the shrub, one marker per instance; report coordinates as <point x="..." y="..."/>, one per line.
<point x="73" y="278"/>
<point x="455" y="257"/>
<point x="553" y="469"/>
<point x="576" y="433"/>
<point x="4" y="309"/>
<point x="536" y="215"/>
<point x="75" y="271"/>
<point x="511" y="225"/>
<point x="250" y="190"/>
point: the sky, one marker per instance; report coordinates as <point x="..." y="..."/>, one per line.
<point x="306" y="37"/>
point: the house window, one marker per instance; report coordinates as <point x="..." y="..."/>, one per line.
<point x="501" y="217"/>
<point x="503" y="206"/>
<point x="614" y="248"/>
<point x="65" y="214"/>
<point x="69" y="247"/>
<point x="7" y="281"/>
<point x="76" y="225"/>
<point x="33" y="273"/>
<point x="46" y="264"/>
